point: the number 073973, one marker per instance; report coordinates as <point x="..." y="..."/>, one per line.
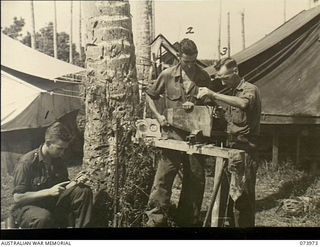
<point x="309" y="243"/>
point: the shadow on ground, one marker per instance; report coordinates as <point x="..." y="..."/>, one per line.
<point x="295" y="187"/>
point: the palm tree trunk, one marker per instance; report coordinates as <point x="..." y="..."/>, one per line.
<point x="80" y="32"/>
<point x="33" y="31"/>
<point x="143" y="38"/>
<point x="229" y="37"/>
<point x="243" y="31"/>
<point x="71" y="33"/>
<point x="111" y="93"/>
<point x="55" y="47"/>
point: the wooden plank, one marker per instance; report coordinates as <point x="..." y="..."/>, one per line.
<point x="281" y="119"/>
<point x="204" y="149"/>
<point x="275" y="148"/>
<point x="216" y="207"/>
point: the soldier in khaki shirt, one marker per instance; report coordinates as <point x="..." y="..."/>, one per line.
<point x="178" y="85"/>
<point x="243" y="115"/>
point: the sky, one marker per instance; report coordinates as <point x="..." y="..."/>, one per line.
<point x="172" y="18"/>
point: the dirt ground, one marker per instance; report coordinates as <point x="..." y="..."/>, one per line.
<point x="273" y="185"/>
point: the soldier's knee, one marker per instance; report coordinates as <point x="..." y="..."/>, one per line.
<point x="83" y="190"/>
<point x="42" y="219"/>
<point x="43" y="214"/>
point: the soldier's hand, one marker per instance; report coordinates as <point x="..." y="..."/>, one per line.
<point x="71" y="184"/>
<point x="163" y="121"/>
<point x="58" y="188"/>
<point x="187" y="105"/>
<point x="203" y="91"/>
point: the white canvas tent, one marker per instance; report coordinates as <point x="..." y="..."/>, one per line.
<point x="19" y="57"/>
<point x="33" y="96"/>
<point x="24" y="106"/>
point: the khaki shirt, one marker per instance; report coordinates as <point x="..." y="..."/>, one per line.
<point x="170" y="85"/>
<point x="32" y="173"/>
<point x="245" y="122"/>
<point x="177" y="88"/>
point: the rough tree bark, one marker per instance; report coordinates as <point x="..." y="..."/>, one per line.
<point x="110" y="89"/>
<point x="143" y="38"/>
<point x="112" y="104"/>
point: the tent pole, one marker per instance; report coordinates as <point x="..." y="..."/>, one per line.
<point x="243" y="31"/>
<point x="219" y="33"/>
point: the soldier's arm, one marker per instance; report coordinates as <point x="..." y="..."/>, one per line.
<point x="153" y="92"/>
<point x="161" y="119"/>
<point x="207" y="100"/>
<point x="31" y="196"/>
<point x="231" y="100"/>
<point x="152" y="106"/>
<point x="235" y="101"/>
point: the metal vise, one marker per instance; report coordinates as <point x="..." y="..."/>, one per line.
<point x="199" y="122"/>
<point x="194" y="137"/>
<point x="147" y="127"/>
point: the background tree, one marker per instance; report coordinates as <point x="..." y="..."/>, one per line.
<point x="44" y="40"/>
<point x="114" y="167"/>
<point x="44" y="43"/>
<point x="14" y="30"/>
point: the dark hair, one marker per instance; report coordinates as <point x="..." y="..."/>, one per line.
<point x="228" y="62"/>
<point x="58" y="131"/>
<point x="188" y="47"/>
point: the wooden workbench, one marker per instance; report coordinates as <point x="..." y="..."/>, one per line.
<point x="220" y="153"/>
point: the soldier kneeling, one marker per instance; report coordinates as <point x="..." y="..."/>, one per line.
<point x="43" y="194"/>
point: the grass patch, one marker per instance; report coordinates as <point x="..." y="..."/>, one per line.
<point x="273" y="185"/>
<point x="277" y="183"/>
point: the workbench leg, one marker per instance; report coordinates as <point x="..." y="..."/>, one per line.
<point x="216" y="207"/>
